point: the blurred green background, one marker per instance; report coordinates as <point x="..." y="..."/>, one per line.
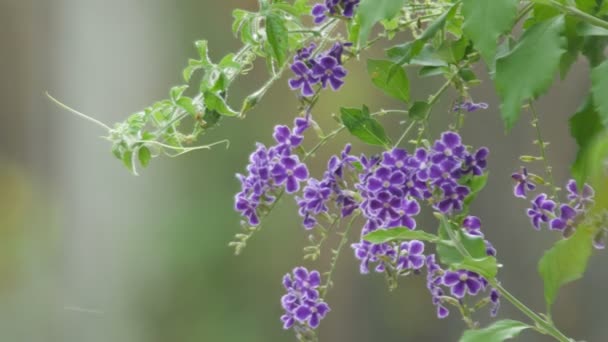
<point x="91" y="253"/>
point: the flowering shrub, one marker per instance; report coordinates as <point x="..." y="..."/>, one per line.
<point x="372" y="200"/>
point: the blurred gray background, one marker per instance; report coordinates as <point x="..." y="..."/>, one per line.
<point x="91" y="253"/>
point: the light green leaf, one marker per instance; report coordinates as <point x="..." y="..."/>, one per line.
<point x="360" y="124"/>
<point x="599" y="89"/>
<point x="215" y="103"/>
<point x="586" y="29"/>
<point x="585" y="125"/>
<point x="497" y="332"/>
<point x="485" y="21"/>
<point x="144" y="156"/>
<point x="528" y="70"/>
<point x="486" y="267"/>
<point x="450" y="255"/>
<point x="278" y="38"/>
<point x="565" y="262"/>
<point x="399" y="234"/>
<point x="397" y="86"/>
<point x="371" y="12"/>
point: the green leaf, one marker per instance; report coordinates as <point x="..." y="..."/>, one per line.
<point x="528" y="70"/>
<point x="476" y="184"/>
<point x="127" y="160"/>
<point x="360" y="124"/>
<point x="371" y="12"/>
<point x="450" y="255"/>
<point x="485" y="21"/>
<point x="397" y="85"/>
<point x="585" y="125"/>
<point x="278" y="38"/>
<point x="215" y="103"/>
<point x="144" y="156"/>
<point x="497" y="332"/>
<point x="186" y="104"/>
<point x="599" y="89"/>
<point x="399" y="234"/>
<point x="565" y="262"/>
<point x="203" y="52"/>
<point x="487" y="267"/>
<point x="586" y="29"/>
<point x="419" y="110"/>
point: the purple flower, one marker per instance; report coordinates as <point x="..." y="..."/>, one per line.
<point x="472" y="224"/>
<point x="305" y="53"/>
<point x="420" y="162"/>
<point x="385" y="207"/>
<point x="248" y="209"/>
<point x="416" y="188"/>
<point x="476" y="163"/>
<point x="291" y="172"/>
<point x="433" y="284"/>
<point x="453" y="197"/>
<point x="407" y="210"/>
<point x="337" y="50"/>
<point x="566" y="221"/>
<point x="444" y="173"/>
<point x="319" y="12"/>
<point x="314" y="201"/>
<point x="540" y="211"/>
<point x="448" y="148"/>
<point x="283" y="136"/>
<point x="302" y="303"/>
<point x="396" y="158"/>
<point x="367" y="253"/>
<point x="523" y="183"/>
<point x="349" y="7"/>
<point x="410" y="255"/>
<point x="461" y="282"/>
<point x="303" y="80"/>
<point x="385" y="180"/>
<point x="327" y="69"/>
<point x="582" y="199"/>
<point x="495" y="302"/>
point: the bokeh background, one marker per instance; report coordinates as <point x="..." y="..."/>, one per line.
<point x="91" y="253"/>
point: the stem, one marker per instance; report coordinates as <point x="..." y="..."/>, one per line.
<point x="573" y="11"/>
<point x="74" y="111"/>
<point x="407" y="130"/>
<point x="337" y="252"/>
<point x="543" y="152"/>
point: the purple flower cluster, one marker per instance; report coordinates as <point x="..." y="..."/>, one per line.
<point x="460" y="283"/>
<point x="272" y="169"/>
<point x="302" y="303"/>
<point x="332" y="186"/>
<point x="563" y="217"/>
<point x="324" y="68"/>
<point x="393" y="186"/>
<point x="345" y="8"/>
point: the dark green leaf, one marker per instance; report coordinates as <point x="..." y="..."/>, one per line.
<point x="429" y="57"/>
<point x="371" y="12"/>
<point x="397" y="86"/>
<point x="277" y="35"/>
<point x="399" y="234"/>
<point x="585" y="125"/>
<point x="428" y="71"/>
<point x="360" y="124"/>
<point x="404" y="53"/>
<point x="215" y="103"/>
<point x="565" y="262"/>
<point x="528" y="70"/>
<point x="599" y="89"/>
<point x="144" y="156"/>
<point x="476" y="184"/>
<point x="586" y="29"/>
<point x="497" y="332"/>
<point x="419" y="110"/>
<point x="485" y="21"/>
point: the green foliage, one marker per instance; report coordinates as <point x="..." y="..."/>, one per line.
<point x="362" y="125"/>
<point x="599" y="89"/>
<point x="371" y="12"/>
<point x="565" y="262"/>
<point x="497" y="332"/>
<point x="399" y="234"/>
<point x="585" y="126"/>
<point x="420" y="110"/>
<point x="474" y="246"/>
<point x="276" y="31"/>
<point x="487" y="266"/>
<point x="528" y="69"/>
<point x="485" y="21"/>
<point x="396" y="86"/>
